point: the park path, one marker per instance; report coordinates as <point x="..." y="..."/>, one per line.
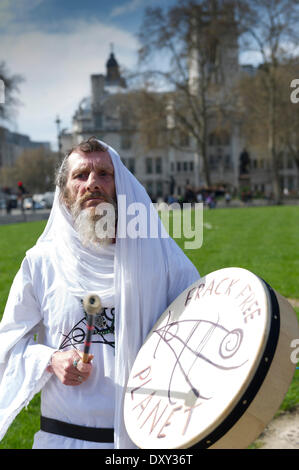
<point x="294" y="302"/>
<point x="282" y="432"/>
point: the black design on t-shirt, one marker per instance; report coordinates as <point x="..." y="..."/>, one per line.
<point x="103" y="330"/>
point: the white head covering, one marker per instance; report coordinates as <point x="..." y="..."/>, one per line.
<point x="149" y="274"/>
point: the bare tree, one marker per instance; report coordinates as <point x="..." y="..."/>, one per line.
<point x="289" y="111"/>
<point x="271" y="29"/>
<point x="10" y="89"/>
<point x="186" y="44"/>
<point x="256" y="126"/>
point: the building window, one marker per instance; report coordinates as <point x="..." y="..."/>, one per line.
<point x="159" y="165"/>
<point x="227" y="162"/>
<point x="178" y="166"/>
<point x="191" y="166"/>
<point x="149" y="166"/>
<point x="185" y="166"/>
<point x="129" y="163"/>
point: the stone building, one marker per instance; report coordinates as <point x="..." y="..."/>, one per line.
<point x="165" y="169"/>
<point x="105" y="115"/>
<point x="159" y="169"/>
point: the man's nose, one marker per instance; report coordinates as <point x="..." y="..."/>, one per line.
<point x="93" y="182"/>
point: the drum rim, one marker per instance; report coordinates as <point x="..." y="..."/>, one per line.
<point x="257" y="380"/>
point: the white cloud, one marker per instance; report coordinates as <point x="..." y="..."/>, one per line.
<point x="57" y="70"/>
<point x="130" y="6"/>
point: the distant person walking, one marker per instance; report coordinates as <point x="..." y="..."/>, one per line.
<point x="21" y="195"/>
<point x="227" y="197"/>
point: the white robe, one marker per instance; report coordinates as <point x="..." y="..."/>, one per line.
<point x="149" y="273"/>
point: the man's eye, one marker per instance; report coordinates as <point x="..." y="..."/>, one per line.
<point x="106" y="173"/>
<point x="81" y="175"/>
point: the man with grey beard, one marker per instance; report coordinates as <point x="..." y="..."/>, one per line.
<point x="86" y="200"/>
<point x="85" y="248"/>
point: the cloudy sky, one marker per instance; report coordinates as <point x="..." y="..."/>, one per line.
<point x="56" y="45"/>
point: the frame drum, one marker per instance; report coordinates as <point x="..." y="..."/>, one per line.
<point x="215" y="368"/>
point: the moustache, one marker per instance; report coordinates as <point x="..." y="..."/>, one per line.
<point x="95" y="195"/>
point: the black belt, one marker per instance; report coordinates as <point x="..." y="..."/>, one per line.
<point x="75" y="431"/>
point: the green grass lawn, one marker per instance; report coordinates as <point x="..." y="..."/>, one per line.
<point x="263" y="240"/>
